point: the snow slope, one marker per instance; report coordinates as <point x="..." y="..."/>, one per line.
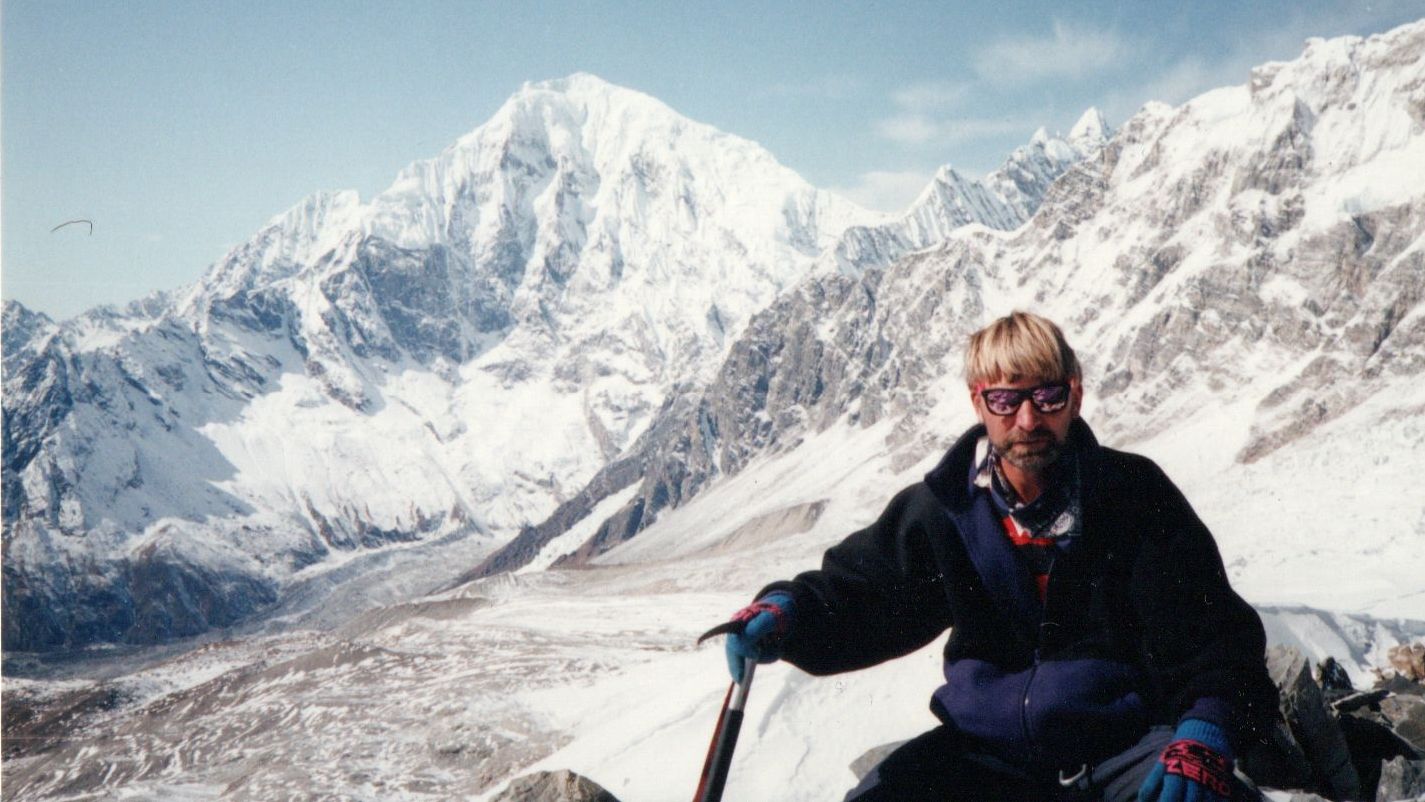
<point x="454" y="358"/>
<point x="593" y="670"/>
<point x="451" y="358"/>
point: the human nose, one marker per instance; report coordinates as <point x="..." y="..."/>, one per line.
<point x="1026" y="416"/>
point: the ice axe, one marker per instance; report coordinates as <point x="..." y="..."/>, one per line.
<point x="729" y="723"/>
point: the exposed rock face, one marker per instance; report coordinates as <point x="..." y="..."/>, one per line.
<point x="591" y="293"/>
<point x="1408" y="660"/>
<point x="1406" y="713"/>
<point x="554" y="786"/>
<point x="1197" y="267"/>
<point x="1401" y="779"/>
<point x="808" y="359"/>
<point x="32" y="727"/>
<point x="1372" y="743"/>
<point x="514" y="313"/>
<point x="1280" y="762"/>
<point x="558" y="271"/>
<point x="1312" y="724"/>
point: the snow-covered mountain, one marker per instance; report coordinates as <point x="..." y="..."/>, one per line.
<point x="676" y="455"/>
<point x="1004" y="199"/>
<point x="1242" y="276"/>
<point x="412" y="379"/>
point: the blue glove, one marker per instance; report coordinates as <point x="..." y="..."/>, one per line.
<point x="765" y="623"/>
<point x="1196" y="766"/>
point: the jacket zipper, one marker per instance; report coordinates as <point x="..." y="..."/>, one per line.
<point x="1034" y="753"/>
<point x="1024" y="714"/>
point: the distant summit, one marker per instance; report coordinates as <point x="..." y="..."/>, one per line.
<point x="1090" y="132"/>
<point x="513" y="312"/>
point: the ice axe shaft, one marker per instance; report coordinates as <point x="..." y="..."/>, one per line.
<point x="729" y="723"/>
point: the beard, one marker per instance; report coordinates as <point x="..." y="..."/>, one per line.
<point x="1031" y="452"/>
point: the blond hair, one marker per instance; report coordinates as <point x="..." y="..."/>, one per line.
<point x="1020" y="346"/>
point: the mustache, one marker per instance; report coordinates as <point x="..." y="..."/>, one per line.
<point x="1041" y="433"/>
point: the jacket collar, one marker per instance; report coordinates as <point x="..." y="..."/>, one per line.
<point x="1005" y="577"/>
<point x="952" y="480"/>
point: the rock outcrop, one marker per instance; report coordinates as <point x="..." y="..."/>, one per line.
<point x="1313" y="724"/>
<point x="1331" y="745"/>
<point x="1356" y="744"/>
<point x="553" y="786"/>
<point x="1401" y="779"/>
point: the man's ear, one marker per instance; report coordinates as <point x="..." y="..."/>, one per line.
<point x="975" y="403"/>
<point x="1076" y="397"/>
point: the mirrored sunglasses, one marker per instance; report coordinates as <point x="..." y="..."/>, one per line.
<point x="1046" y="398"/>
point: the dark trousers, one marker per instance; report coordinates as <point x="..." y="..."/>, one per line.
<point x="934" y="767"/>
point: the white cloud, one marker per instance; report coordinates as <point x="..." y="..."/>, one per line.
<point x="1068" y="52"/>
<point x="918" y="129"/>
<point x="966" y="130"/>
<point x="886" y="191"/>
<point x="908" y="129"/>
<point x="930" y="96"/>
<point x="922" y="113"/>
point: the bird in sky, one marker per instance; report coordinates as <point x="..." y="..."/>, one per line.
<point x="90" y="223"/>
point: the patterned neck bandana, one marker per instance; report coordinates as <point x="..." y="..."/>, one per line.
<point x="1055" y="514"/>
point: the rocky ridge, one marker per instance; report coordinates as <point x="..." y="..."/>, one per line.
<point x="1004" y="199"/>
<point x="560" y="269"/>
<point x="583" y="259"/>
<point x="701" y="433"/>
<point x="1254" y="249"/>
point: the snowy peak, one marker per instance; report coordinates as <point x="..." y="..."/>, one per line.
<point x="1002" y="200"/>
<point x="1243" y="270"/>
<point x="573" y="83"/>
<point x="21" y="324"/>
<point x="24" y="331"/>
<point x="566" y="116"/>
<point x="556" y="200"/>
<point x="952" y="200"/>
<point x="1090" y="132"/>
<point x="586" y="146"/>
<point x="1023" y="181"/>
<point x="607" y="111"/>
<point x="516" y="309"/>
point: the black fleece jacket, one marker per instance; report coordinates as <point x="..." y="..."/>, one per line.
<point x="1144" y="586"/>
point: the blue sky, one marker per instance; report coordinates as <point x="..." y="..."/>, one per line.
<point x="179" y="128"/>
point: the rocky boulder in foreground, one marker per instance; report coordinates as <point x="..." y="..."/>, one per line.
<point x="554" y="786"/>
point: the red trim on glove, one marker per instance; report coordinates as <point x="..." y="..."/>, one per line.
<point x="752" y="610"/>
<point x="1200" y="763"/>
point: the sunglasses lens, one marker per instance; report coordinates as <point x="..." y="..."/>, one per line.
<point x="1003" y="402"/>
<point x="1050" y="397"/>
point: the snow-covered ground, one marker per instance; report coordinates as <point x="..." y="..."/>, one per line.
<point x="596" y="669"/>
